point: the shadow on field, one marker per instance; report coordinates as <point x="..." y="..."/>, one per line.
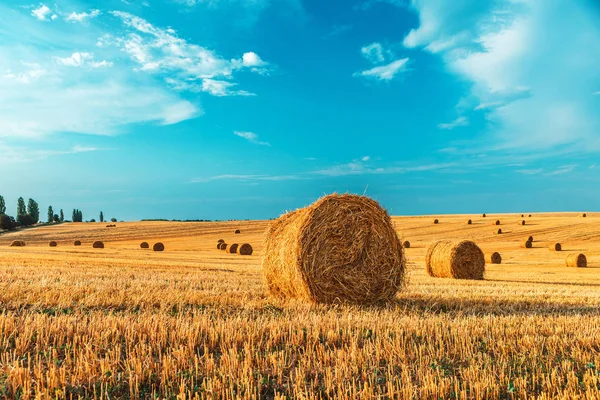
<point x="548" y="283"/>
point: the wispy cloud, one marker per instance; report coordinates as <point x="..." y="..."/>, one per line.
<point x="596" y="93"/>
<point x="221" y="88"/>
<point x="251" y="137"/>
<point x="81" y="59"/>
<point x="18" y="154"/>
<point x="460" y="121"/>
<point x="565" y="169"/>
<point x="337" y="30"/>
<point x="530" y="171"/>
<point x="82" y="17"/>
<point x="374" y="53"/>
<point x="385" y="72"/>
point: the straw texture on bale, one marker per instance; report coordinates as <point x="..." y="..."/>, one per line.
<point x="493" y="258"/>
<point x="17" y="243"/>
<point x="576" y="260"/>
<point x="435" y="221"/>
<point x="77" y="243"/>
<point x="158" y="247"/>
<point x="469" y="222"/>
<point x="144" y="245"/>
<point x="526" y="244"/>
<point x="342" y="248"/>
<point x="98" y="245"/>
<point x="406" y="244"/>
<point x="458" y="260"/>
<point x="233" y="248"/>
<point x="555" y="247"/>
<point x="238" y="231"/>
<point x="53" y="244"/>
<point x="245" y="250"/>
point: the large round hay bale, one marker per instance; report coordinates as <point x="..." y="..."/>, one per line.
<point x="469" y="222"/>
<point x="436" y="221"/>
<point x="342" y="248"/>
<point x="77" y="243"/>
<point x="233" y="248"/>
<point x="158" y="247"/>
<point x="493" y="258"/>
<point x="526" y="244"/>
<point x="245" y="250"/>
<point x="237" y="231"/>
<point x="555" y="247"/>
<point x="98" y="245"/>
<point x="497" y="222"/>
<point x="406" y="244"/>
<point x="576" y="260"/>
<point x="458" y="260"/>
<point x="53" y="244"/>
<point x="499" y="232"/>
<point x="17" y="243"/>
<point x="144" y="245"/>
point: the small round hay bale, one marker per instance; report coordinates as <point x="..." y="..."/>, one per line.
<point x="144" y="245"/>
<point x="526" y="244"/>
<point x="223" y="246"/>
<point x="237" y="231"/>
<point x="499" y="232"/>
<point x="584" y="215"/>
<point x="497" y="222"/>
<point x="342" y="248"/>
<point x="220" y="241"/>
<point x="77" y="243"/>
<point x="158" y="247"/>
<point x="436" y="221"/>
<point x="53" y="244"/>
<point x="493" y="258"/>
<point x="17" y="243"/>
<point x="576" y="260"/>
<point x="457" y="260"/>
<point x="406" y="244"/>
<point x="245" y="250"/>
<point x="98" y="245"/>
<point x="529" y="215"/>
<point x="522" y="216"/>
<point x="484" y="215"/>
<point x="521" y="222"/>
<point x="469" y="222"/>
<point x="555" y="247"/>
<point x="530" y="238"/>
<point x="233" y="248"/>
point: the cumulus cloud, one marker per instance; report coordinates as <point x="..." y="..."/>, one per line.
<point x="385" y="72"/>
<point x="42" y="13"/>
<point x="251" y="137"/>
<point x="82" y="17"/>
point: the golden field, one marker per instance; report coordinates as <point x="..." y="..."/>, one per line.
<point x="195" y="322"/>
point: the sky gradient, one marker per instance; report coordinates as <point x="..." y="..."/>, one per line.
<point x="243" y="109"/>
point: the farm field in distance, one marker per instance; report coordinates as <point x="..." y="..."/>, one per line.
<point x="196" y="322"/>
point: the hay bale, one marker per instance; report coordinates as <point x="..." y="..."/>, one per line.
<point x="77" y="243"/>
<point x="484" y="215"/>
<point x="406" y="244"/>
<point x="220" y="241"/>
<point x="233" y="248"/>
<point x="529" y="215"/>
<point x="497" y="222"/>
<point x="469" y="222"/>
<point x="342" y="248"/>
<point x="457" y="260"/>
<point x="555" y="247"/>
<point x="530" y="238"/>
<point x="158" y="247"/>
<point x="223" y="246"/>
<point x="526" y="244"/>
<point x="53" y="244"/>
<point x="98" y="245"/>
<point x="499" y="232"/>
<point x="17" y="243"/>
<point x="521" y="222"/>
<point x="245" y="250"/>
<point x="237" y="231"/>
<point x="493" y="258"/>
<point x="144" y="245"/>
<point x="522" y="216"/>
<point x="584" y="215"/>
<point x="576" y="260"/>
<point x="435" y="221"/>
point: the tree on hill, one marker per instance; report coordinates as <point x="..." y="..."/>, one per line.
<point x="50" y="215"/>
<point x="62" y="216"/>
<point x="56" y="218"/>
<point x="33" y="210"/>
<point x="77" y="216"/>
<point x="101" y="216"/>
<point x="21" y="209"/>
<point x="7" y="222"/>
<point x="2" y="206"/>
<point x="113" y="220"/>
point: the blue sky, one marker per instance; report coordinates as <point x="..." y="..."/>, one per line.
<point x="222" y="109"/>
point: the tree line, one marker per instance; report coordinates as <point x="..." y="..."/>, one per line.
<point x="29" y="214"/>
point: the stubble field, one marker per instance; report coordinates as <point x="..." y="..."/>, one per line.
<point x="195" y="322"/>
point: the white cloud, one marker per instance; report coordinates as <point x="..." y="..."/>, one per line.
<point x="251" y="137"/>
<point x="222" y="88"/>
<point x="80" y="59"/>
<point x="596" y="93"/>
<point x="385" y="72"/>
<point x="251" y="59"/>
<point x="41" y="13"/>
<point x="19" y="154"/>
<point x="374" y="53"/>
<point x="82" y="17"/>
<point x="366" y="158"/>
<point x="530" y="171"/>
<point x="32" y="73"/>
<point x="460" y="121"/>
<point x="565" y="169"/>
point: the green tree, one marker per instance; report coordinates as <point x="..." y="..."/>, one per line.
<point x="74" y="215"/>
<point x="21" y="209"/>
<point x="113" y="220"/>
<point x="33" y="209"/>
<point x="56" y="218"/>
<point x="2" y="206"/>
<point x="62" y="216"/>
<point x="101" y="217"/>
<point x="77" y="215"/>
<point x="50" y="215"/>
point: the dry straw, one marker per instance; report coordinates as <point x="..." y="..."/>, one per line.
<point x="555" y="247"/>
<point x="17" y="243"/>
<point x="77" y="243"/>
<point x="98" y="245"/>
<point x="144" y="245"/>
<point x="526" y="244"/>
<point x="342" y="248"/>
<point x="493" y="258"/>
<point x="233" y="248"/>
<point x="458" y="260"/>
<point x="53" y="244"/>
<point x="245" y="250"/>
<point x="158" y="247"/>
<point x="576" y="260"/>
<point x="406" y="244"/>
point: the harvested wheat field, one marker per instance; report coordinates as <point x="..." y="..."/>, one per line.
<point x="196" y="322"/>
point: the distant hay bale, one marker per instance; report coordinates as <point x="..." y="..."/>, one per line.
<point x="499" y="232"/>
<point x="521" y="222"/>
<point x="457" y="260"/>
<point x="17" y="243"/>
<point x="237" y="231"/>
<point x="584" y="215"/>
<point x="342" y="248"/>
<point x="223" y="246"/>
<point x="245" y="250"/>
<point x="526" y="244"/>
<point x="522" y="215"/>
<point x="77" y="243"/>
<point x="220" y="241"/>
<point x="406" y="244"/>
<point x="219" y="245"/>
<point x="497" y="222"/>
<point x="555" y="247"/>
<point x="484" y="215"/>
<point x="530" y="238"/>
<point x="98" y="245"/>
<point x="233" y="248"/>
<point x="436" y="221"/>
<point x="576" y="260"/>
<point x="469" y="222"/>
<point x="53" y="244"/>
<point x="158" y="247"/>
<point x="493" y="258"/>
<point x="529" y="215"/>
<point x="144" y="245"/>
